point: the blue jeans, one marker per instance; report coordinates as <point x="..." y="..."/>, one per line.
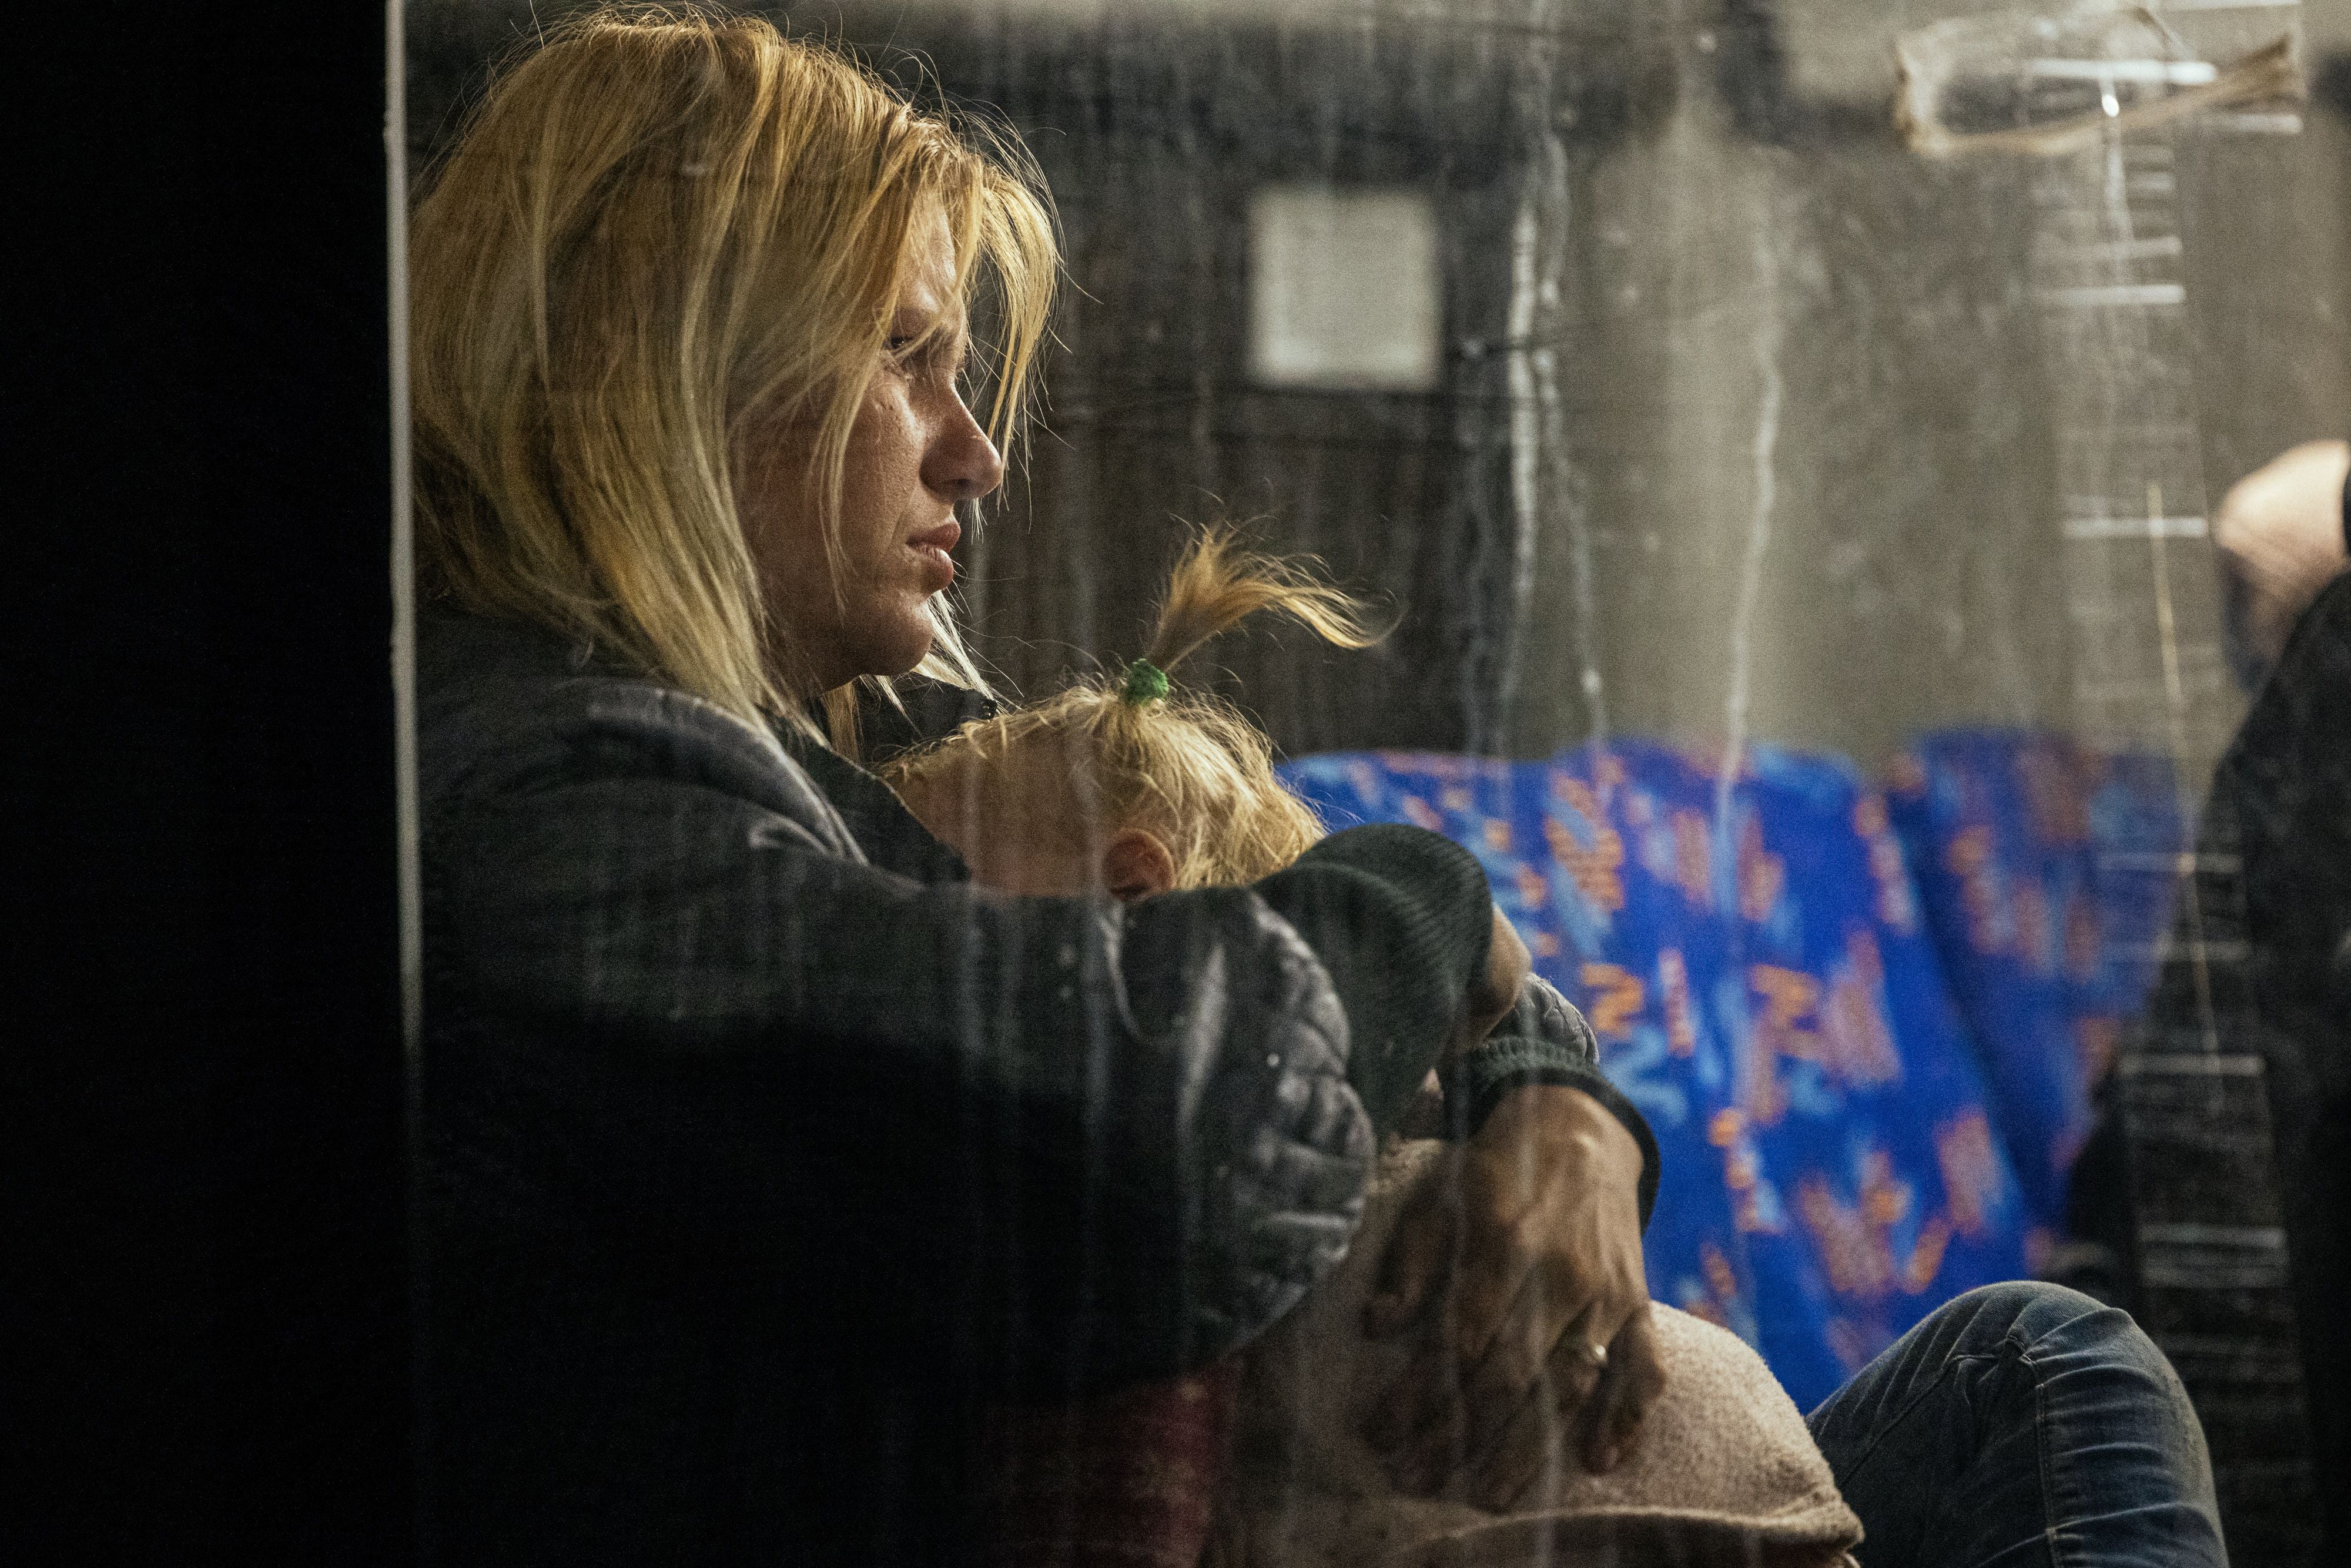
<point x="2023" y="1424"/>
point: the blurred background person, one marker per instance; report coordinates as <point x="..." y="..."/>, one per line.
<point x="2282" y="538"/>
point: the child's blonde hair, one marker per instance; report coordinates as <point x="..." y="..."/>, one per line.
<point x="665" y="228"/>
<point x="1138" y="751"/>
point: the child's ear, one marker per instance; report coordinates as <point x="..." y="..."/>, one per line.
<point x="1135" y="864"/>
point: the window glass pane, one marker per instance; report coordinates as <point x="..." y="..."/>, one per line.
<point x="1841" y="508"/>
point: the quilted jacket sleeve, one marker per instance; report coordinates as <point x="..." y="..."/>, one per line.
<point x="673" y="1008"/>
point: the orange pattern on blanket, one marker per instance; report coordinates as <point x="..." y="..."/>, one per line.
<point x="1616" y="997"/>
<point x="1596" y="869"/>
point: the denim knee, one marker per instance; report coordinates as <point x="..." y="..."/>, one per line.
<point x="2028" y="1314"/>
<point x="2018" y="1413"/>
<point x="2028" y="1309"/>
<point x="2050" y="1329"/>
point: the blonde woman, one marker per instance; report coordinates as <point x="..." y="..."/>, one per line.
<point x="762" y="1147"/>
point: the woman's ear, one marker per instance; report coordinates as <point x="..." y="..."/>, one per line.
<point x="1135" y="864"/>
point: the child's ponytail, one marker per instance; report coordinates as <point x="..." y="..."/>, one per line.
<point x="1218" y="584"/>
<point x="1138" y="750"/>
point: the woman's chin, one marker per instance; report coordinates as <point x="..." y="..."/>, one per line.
<point x="900" y="645"/>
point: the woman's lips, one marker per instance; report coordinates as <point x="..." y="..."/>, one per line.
<point x="931" y="547"/>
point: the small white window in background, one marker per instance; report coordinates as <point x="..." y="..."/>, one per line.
<point x="1342" y="289"/>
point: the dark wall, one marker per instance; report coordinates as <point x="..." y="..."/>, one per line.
<point x="202" y="907"/>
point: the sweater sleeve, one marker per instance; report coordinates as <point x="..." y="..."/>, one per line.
<point x="665" y="1014"/>
<point x="1544" y="1041"/>
<point x="1401" y="919"/>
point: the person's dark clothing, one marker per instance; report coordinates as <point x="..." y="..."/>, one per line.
<point x="925" y="710"/>
<point x="2281" y="803"/>
<point x="761" y="1147"/>
<point x="2283" y="793"/>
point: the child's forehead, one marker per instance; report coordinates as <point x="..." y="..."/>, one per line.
<point x="1006" y="754"/>
<point x="1019" y="779"/>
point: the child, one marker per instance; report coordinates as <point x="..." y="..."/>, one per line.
<point x="1126" y="784"/>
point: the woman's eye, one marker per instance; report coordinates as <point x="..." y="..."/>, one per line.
<point x="925" y="354"/>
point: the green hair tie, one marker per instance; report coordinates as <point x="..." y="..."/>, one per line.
<point x="1146" y="683"/>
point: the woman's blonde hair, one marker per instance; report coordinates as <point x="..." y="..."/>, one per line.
<point x="1140" y="751"/>
<point x="662" y="226"/>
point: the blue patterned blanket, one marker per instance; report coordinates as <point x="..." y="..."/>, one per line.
<point x="1857" y="1122"/>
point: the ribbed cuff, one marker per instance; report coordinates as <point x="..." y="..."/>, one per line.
<point x="1482" y="1077"/>
<point x="1401" y="918"/>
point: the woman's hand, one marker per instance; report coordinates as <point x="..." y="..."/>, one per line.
<point x="1530" y="1240"/>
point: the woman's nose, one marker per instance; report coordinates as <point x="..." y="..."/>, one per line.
<point x="962" y="464"/>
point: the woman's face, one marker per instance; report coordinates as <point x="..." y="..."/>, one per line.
<point x="913" y="451"/>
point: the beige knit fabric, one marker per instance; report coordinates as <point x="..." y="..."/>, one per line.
<point x="1724" y="1475"/>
